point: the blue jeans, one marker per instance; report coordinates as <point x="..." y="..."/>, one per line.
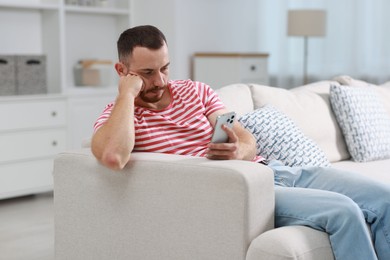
<point x="339" y="203"/>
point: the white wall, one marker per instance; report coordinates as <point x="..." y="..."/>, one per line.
<point x="159" y="14"/>
<point x="200" y="26"/>
<point x="357" y="41"/>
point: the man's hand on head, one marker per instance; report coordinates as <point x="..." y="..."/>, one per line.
<point x="130" y="84"/>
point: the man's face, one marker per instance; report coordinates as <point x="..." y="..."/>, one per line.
<point x="153" y="67"/>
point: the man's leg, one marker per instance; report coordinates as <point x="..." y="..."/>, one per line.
<point x="326" y="211"/>
<point x="373" y="198"/>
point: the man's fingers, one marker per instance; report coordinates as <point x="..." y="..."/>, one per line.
<point x="232" y="136"/>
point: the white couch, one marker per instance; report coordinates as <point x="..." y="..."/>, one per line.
<point x="176" y="207"/>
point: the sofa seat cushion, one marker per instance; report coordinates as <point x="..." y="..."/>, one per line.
<point x="309" y="107"/>
<point x="292" y="242"/>
<point x="278" y="138"/>
<point x="378" y="170"/>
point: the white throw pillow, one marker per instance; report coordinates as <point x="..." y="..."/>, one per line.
<point x="309" y="108"/>
<point x="278" y="138"/>
<point x="364" y="121"/>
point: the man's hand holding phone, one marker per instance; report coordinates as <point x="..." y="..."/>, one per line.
<point x="224" y="142"/>
<point x="220" y="135"/>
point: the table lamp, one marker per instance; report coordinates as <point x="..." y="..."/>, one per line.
<point x="306" y="23"/>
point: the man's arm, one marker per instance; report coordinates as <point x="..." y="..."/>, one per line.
<point x="113" y="142"/>
<point x="241" y="144"/>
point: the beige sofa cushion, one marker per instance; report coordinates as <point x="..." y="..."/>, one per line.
<point x="236" y="97"/>
<point x="291" y="242"/>
<point x="309" y="107"/>
<point x="384" y="93"/>
<point x="377" y="170"/>
<point x="349" y="81"/>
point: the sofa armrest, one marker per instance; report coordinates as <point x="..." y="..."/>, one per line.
<point x="159" y="207"/>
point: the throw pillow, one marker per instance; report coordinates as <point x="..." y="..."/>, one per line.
<point x="363" y="120"/>
<point x="279" y="138"/>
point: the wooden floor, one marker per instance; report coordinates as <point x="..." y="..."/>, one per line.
<point x="27" y="228"/>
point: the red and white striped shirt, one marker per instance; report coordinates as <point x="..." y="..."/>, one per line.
<point x="182" y="127"/>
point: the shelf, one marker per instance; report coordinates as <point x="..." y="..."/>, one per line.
<point x="26" y="98"/>
<point x="63" y="33"/>
<point x="96" y="10"/>
<point x="28" y="5"/>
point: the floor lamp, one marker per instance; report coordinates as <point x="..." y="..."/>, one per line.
<point x="306" y="23"/>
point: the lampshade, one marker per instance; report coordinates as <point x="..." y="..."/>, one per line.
<point x="306" y="22"/>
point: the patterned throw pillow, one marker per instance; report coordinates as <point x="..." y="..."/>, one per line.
<point x="363" y="120"/>
<point x="278" y="138"/>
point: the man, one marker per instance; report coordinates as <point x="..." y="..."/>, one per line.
<point x="154" y="114"/>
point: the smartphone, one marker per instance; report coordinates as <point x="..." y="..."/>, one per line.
<point x="219" y="135"/>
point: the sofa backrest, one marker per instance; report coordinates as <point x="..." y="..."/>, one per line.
<point x="237" y="97"/>
<point x="308" y="106"/>
<point x="384" y="93"/>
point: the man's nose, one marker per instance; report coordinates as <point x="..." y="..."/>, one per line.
<point x="159" y="79"/>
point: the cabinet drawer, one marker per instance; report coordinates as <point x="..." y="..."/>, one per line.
<point x="32" y="114"/>
<point x="23" y="178"/>
<point x="31" y="144"/>
<point x="252" y="68"/>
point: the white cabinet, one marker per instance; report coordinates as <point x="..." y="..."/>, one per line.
<point x="35" y="128"/>
<point x="83" y="112"/>
<point x="220" y="69"/>
<point x="32" y="131"/>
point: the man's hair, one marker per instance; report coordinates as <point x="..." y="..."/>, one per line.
<point x="142" y="36"/>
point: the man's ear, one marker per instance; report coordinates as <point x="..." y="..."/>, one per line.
<point x="121" y="69"/>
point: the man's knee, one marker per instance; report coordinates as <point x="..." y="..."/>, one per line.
<point x="347" y="212"/>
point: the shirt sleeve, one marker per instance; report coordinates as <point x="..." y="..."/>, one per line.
<point x="102" y="119"/>
<point x="209" y="98"/>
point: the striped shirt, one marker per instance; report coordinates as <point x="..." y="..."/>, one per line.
<point x="182" y="127"/>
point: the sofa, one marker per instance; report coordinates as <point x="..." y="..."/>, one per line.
<point x="178" y="207"/>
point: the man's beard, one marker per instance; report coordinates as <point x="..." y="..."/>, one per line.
<point x="143" y="95"/>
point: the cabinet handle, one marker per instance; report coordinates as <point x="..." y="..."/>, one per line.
<point x="54" y="143"/>
<point x="53" y="113"/>
<point x="253" y="68"/>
